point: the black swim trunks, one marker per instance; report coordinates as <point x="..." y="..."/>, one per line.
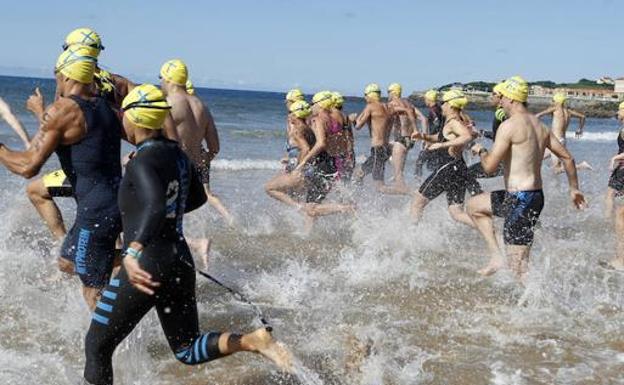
<point x="406" y="141"/>
<point x="376" y="162"/>
<point x="449" y="178"/>
<point x="521" y="210"/>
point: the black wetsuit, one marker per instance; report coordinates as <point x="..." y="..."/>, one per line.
<point x="435" y="121"/>
<point x="318" y="173"/>
<point x="450" y="177"/>
<point x="159" y="186"/>
<point x="93" y="168"/>
<point x="616" y="180"/>
<point x="476" y="170"/>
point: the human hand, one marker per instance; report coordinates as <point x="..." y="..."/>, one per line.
<point x="35" y="103"/>
<point x="578" y="199"/>
<point x="476" y="148"/>
<point x="435" y="146"/>
<point x="139" y="278"/>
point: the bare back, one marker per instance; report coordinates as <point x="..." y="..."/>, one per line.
<point x="379" y="123"/>
<point x="560" y="122"/>
<point x="526" y="139"/>
<point x="189" y="116"/>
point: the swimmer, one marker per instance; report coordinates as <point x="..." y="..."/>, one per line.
<point x="346" y="142"/>
<point x="194" y="125"/>
<point x="377" y="115"/>
<point x="7" y="115"/>
<point x="561" y="116"/>
<point x="435" y="122"/>
<point x="615" y="194"/>
<point x="450" y="175"/>
<point x="476" y="170"/>
<point x="85" y="133"/>
<point x="403" y="125"/>
<point x="159" y="187"/>
<point x="520" y="144"/>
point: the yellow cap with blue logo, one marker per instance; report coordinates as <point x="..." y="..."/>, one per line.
<point x="146" y="107"/>
<point x="338" y="99"/>
<point x="373" y="91"/>
<point x="294" y="95"/>
<point x="77" y="63"/>
<point x="85" y="37"/>
<point x="395" y="88"/>
<point x="174" y="71"/>
<point x="324" y="99"/>
<point x="300" y="108"/>
<point x="455" y="98"/>
<point x="515" y="88"/>
<point x="431" y="95"/>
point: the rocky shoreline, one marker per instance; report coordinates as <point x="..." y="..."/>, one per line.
<point x="591" y="108"/>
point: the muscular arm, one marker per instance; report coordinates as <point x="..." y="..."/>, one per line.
<point x="547" y="111"/>
<point x="11" y="119"/>
<point x="424" y="123"/>
<point x="319" y="133"/>
<point x="502" y="144"/>
<point x="28" y="163"/>
<point x="212" y="136"/>
<point x="169" y="128"/>
<point x="566" y="158"/>
<point x="151" y="193"/>
<point x="363" y="118"/>
<point x="463" y="136"/>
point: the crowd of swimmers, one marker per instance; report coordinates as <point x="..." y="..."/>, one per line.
<point x="137" y="204"/>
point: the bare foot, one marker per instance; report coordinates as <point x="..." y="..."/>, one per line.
<point x="492" y="267"/>
<point x="261" y="341"/>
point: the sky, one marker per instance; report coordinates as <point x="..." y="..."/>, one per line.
<point x="315" y="45"/>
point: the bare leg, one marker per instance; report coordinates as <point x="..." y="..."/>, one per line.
<point x="202" y="247"/>
<point x="399" y="153"/>
<point x="47" y="209"/>
<point x="322" y="209"/>
<point x="618" y="262"/>
<point x="608" y="207"/>
<point x="459" y="215"/>
<point x="480" y="209"/>
<point x="66" y="266"/>
<point x="279" y="186"/>
<point x="418" y="206"/>
<point x="519" y="261"/>
<point x="215" y="202"/>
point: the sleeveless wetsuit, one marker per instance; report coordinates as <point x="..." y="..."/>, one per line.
<point x="159" y="186"/>
<point x="435" y="121"/>
<point x="476" y="170"/>
<point x="616" y="180"/>
<point x="318" y="174"/>
<point x="449" y="176"/>
<point x="93" y="168"/>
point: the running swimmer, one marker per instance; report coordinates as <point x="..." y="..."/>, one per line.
<point x="435" y="122"/>
<point x="346" y="159"/>
<point x="450" y="175"/>
<point x="86" y="135"/>
<point x="615" y="193"/>
<point x="561" y="116"/>
<point x="520" y="144"/>
<point x="159" y="187"/>
<point x="377" y="115"/>
<point x="476" y="170"/>
<point x="403" y="125"/>
<point x="194" y="124"/>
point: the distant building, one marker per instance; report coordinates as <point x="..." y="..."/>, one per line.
<point x="605" y="80"/>
<point x="619" y="86"/>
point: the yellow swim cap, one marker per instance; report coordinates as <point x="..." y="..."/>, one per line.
<point x="86" y="37"/>
<point x="338" y="99"/>
<point x="621" y="106"/>
<point x="294" y="95"/>
<point x="431" y="95"/>
<point x="515" y="88"/>
<point x="77" y="64"/>
<point x="104" y="81"/>
<point x="325" y="99"/>
<point x="301" y="109"/>
<point x="373" y="91"/>
<point x="497" y="88"/>
<point x="559" y="97"/>
<point x="395" y="88"/>
<point x="175" y="71"/>
<point x="146" y="106"/>
<point x="189" y="87"/>
<point x="455" y="98"/>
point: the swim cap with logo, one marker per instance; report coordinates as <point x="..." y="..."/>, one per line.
<point x="431" y="95"/>
<point x="175" y="71"/>
<point x="559" y="97"/>
<point x="373" y="91"/>
<point x="146" y="107"/>
<point x="515" y="88"/>
<point x="395" y="88"/>
<point x="497" y="88"/>
<point x="300" y="108"/>
<point x="455" y="98"/>
<point x="77" y="63"/>
<point x="294" y="95"/>
<point x="86" y="37"/>
<point x="338" y="99"/>
<point x="325" y="99"/>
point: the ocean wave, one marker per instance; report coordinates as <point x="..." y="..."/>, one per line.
<point x="245" y="164"/>
<point x="600" y="136"/>
<point x="258" y="133"/>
